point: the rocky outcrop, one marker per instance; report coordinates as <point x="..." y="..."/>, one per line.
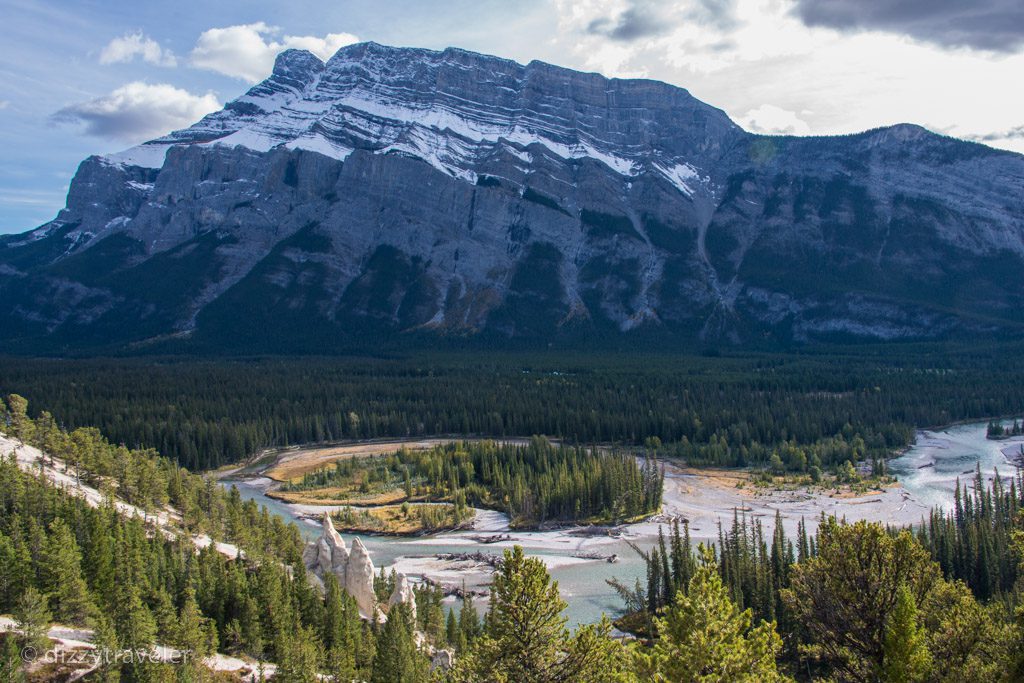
<point x="443" y="660"/>
<point x="402" y="191"/>
<point x="328" y="554"/>
<point x="359" y="578"/>
<point x="403" y="594"/>
<point x="353" y="569"/>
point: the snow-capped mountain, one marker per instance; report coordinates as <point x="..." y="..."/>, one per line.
<point x="414" y="102"/>
<point x="404" y="190"/>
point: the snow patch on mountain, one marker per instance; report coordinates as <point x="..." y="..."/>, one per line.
<point x="146" y="155"/>
<point x="367" y="103"/>
<point x="680" y="175"/>
<point x="315" y="142"/>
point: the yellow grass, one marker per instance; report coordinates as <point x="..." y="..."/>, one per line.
<point x="721" y="478"/>
<point x="748" y="482"/>
<point x="291" y="465"/>
<point x="339" y="495"/>
<point x="390" y="520"/>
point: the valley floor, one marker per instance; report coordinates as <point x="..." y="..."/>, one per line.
<point x="579" y="557"/>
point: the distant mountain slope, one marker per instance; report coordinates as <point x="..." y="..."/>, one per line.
<point x="396" y="190"/>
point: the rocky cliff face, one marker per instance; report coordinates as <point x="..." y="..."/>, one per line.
<point x="449" y="194"/>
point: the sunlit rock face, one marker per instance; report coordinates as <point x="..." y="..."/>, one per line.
<point x="392" y="192"/>
<point x="353" y="570"/>
<point x="403" y="593"/>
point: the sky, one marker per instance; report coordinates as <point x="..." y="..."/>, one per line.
<point x="81" y="77"/>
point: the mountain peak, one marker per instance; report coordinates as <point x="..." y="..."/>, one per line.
<point x="905" y="132"/>
<point x="295" y="63"/>
<point x="405" y="189"/>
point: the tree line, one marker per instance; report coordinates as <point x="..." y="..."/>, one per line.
<point x="729" y="410"/>
<point x="997" y="430"/>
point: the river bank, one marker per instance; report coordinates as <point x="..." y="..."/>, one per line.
<point x="706" y="498"/>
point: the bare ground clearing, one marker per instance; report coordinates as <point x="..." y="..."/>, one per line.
<point x="291" y="463"/>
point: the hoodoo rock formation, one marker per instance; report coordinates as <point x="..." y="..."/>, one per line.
<point x="353" y="569"/>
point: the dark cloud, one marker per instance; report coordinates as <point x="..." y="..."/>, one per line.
<point x="1015" y="133"/>
<point x="632" y="24"/>
<point x="648" y="18"/>
<point x="996" y="25"/>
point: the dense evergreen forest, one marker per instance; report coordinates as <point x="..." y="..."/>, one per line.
<point x="535" y="483"/>
<point x="727" y="410"/>
<point x="855" y="602"/>
<point x="150" y="482"/>
<point x="63" y="560"/>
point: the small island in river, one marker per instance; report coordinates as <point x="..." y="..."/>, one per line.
<point x="537" y="483"/>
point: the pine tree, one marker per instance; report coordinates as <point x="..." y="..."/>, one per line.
<point x="63" y="571"/>
<point x="469" y="621"/>
<point x="397" y="658"/>
<point x="99" y="557"/>
<point x="803" y="545"/>
<point x="192" y="632"/>
<point x="905" y="655"/>
<point x="134" y="624"/>
<point x="32" y="616"/>
<point x="525" y="638"/>
<point x="667" y="589"/>
<point x="21" y="424"/>
<point x="843" y="597"/>
<point x="654" y="593"/>
<point x="12" y="668"/>
<point x="165" y="616"/>
<point x="251" y="628"/>
<point x="451" y="629"/>
<point x="430" y="613"/>
<point x="136" y="631"/>
<point x="298" y="655"/>
<point x="341" y="631"/>
<point x="704" y="637"/>
<point x="341" y="665"/>
<point x="15" y="569"/>
<point x="107" y="647"/>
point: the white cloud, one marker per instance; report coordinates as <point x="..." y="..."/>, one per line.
<point x="771" y="120"/>
<point x="247" y="51"/>
<point x="818" y="80"/>
<point x="4" y="104"/>
<point x="132" y="45"/>
<point x="138" y="111"/>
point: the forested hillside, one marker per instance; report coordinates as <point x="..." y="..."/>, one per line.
<point x="720" y="410"/>
<point x="853" y="603"/>
<point x="132" y="583"/>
